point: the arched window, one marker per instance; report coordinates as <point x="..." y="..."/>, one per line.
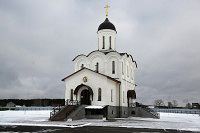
<point x="123" y="97"/>
<point x="113" y="67"/>
<point x="103" y="42"/>
<point x="71" y="98"/>
<point x="82" y="66"/>
<point x="110" y="41"/>
<point x="122" y="68"/>
<point x="99" y="94"/>
<point x="97" y="67"/>
<point x="111" y="95"/>
<point x="127" y="72"/>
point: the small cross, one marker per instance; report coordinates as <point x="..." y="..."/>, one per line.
<point x="107" y="6"/>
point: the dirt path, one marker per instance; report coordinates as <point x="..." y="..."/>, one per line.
<point x="87" y="129"/>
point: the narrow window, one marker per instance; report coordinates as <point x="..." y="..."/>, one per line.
<point x="71" y="94"/>
<point x="99" y="94"/>
<point x="123" y="96"/>
<point x="82" y="66"/>
<point x="131" y="74"/>
<point x="103" y="42"/>
<point x="122" y="68"/>
<point x="97" y="67"/>
<point x="110" y="41"/>
<point x="113" y="67"/>
<point x="127" y="72"/>
<point x="111" y="95"/>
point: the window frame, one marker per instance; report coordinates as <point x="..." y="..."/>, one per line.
<point x="82" y="66"/>
<point x="111" y="95"/>
<point x="110" y="43"/>
<point x="71" y="95"/>
<point x="122" y="68"/>
<point x="113" y="67"/>
<point x="99" y="94"/>
<point x="97" y="67"/>
<point x="127" y="71"/>
<point x="103" y="42"/>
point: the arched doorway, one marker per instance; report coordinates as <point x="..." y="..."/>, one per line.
<point x="131" y="96"/>
<point x="85" y="97"/>
<point x="85" y="94"/>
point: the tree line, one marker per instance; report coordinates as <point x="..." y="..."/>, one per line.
<point x="33" y="102"/>
<point x="172" y="104"/>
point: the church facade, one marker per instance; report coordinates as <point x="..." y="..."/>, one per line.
<point x="103" y="83"/>
<point x="103" y="79"/>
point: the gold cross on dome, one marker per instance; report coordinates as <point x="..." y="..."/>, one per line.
<point x="107" y="6"/>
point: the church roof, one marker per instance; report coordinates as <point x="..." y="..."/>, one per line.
<point x="91" y="71"/>
<point x="106" y="54"/>
<point x="106" y="25"/>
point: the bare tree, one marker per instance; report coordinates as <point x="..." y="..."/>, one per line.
<point x="170" y="105"/>
<point x="174" y="103"/>
<point x="188" y="105"/>
<point x="159" y="102"/>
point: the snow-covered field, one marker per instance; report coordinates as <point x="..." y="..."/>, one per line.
<point x="188" y="122"/>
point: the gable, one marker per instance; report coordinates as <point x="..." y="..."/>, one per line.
<point x="86" y="69"/>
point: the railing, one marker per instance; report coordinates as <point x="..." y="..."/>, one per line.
<point x="55" y="110"/>
<point x="148" y="110"/>
<point x="76" y="103"/>
<point x="174" y="110"/>
<point x="132" y="104"/>
<point x="59" y="108"/>
<point x="71" y="102"/>
<point x="26" y="108"/>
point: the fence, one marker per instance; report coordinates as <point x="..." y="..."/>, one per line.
<point x="184" y="111"/>
<point x="26" y="108"/>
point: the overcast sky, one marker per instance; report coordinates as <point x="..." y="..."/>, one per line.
<point x="39" y="39"/>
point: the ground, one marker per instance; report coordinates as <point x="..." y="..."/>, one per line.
<point x="20" y="120"/>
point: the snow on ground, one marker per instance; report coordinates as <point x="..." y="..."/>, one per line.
<point x="190" y="122"/>
<point x="23" y="116"/>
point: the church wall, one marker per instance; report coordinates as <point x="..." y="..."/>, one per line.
<point x="123" y="100"/>
<point x="106" y="33"/>
<point x="126" y="78"/>
<point x="95" y="82"/>
<point x="105" y="63"/>
<point x="109" y="67"/>
<point x="105" y="67"/>
<point x="124" y="112"/>
<point x="82" y="61"/>
<point x="128" y="69"/>
<point x="125" y="86"/>
<point x="113" y="111"/>
<point x="97" y="59"/>
<point x="117" y="111"/>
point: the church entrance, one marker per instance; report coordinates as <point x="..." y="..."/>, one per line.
<point x="85" y="93"/>
<point x="85" y="97"/>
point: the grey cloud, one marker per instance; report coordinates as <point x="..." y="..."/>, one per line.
<point x="39" y="39"/>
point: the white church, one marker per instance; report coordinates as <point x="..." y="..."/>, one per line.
<point x="103" y="82"/>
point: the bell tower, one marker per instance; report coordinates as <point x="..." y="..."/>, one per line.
<point x="106" y="35"/>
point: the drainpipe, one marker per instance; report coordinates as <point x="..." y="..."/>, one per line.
<point x="119" y="99"/>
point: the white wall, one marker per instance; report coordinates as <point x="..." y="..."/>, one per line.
<point x="105" y="67"/>
<point x="95" y="81"/>
<point x="106" y="33"/>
